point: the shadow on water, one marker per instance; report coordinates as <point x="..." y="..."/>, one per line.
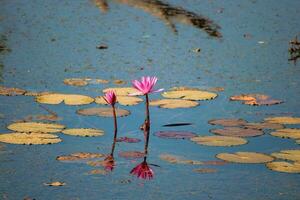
<point x="168" y="14"/>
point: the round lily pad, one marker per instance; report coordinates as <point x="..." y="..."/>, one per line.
<point x="219" y="140"/>
<point x="128" y="140"/>
<point x="255" y="99"/>
<point x="36" y="127"/>
<point x="283" y="120"/>
<point x="97" y="81"/>
<point x="85" y="132"/>
<point x="293" y="155"/>
<point x="121" y="91"/>
<point x="103" y="112"/>
<point x="178" y="160"/>
<point x="123" y="100"/>
<point x="245" y="157"/>
<point x="131" y="154"/>
<point x="68" y="99"/>
<point x="205" y="170"/>
<point x="55" y="184"/>
<point x="286" y="167"/>
<point x="237" y="132"/>
<point x="263" y="125"/>
<point x="173" y="103"/>
<point x="29" y="138"/>
<point x="175" y="134"/>
<point x="5" y="91"/>
<point x="79" y="156"/>
<point x="76" y="81"/>
<point x="98" y="171"/>
<point x="119" y="82"/>
<point x="292" y="133"/>
<point x="189" y="94"/>
<point x="228" y="122"/>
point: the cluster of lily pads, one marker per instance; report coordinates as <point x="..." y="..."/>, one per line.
<point x="234" y="131"/>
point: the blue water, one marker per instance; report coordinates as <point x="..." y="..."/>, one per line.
<point x="54" y="40"/>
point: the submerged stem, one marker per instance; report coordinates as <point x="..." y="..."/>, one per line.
<point x="147" y="125"/>
<point x="115" y="131"/>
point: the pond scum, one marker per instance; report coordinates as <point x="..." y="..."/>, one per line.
<point x="234" y="132"/>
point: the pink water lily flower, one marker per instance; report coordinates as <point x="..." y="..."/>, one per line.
<point x="110" y="97"/>
<point x="143" y="171"/>
<point x="145" y="85"/>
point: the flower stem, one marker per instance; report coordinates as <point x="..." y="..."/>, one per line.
<point x="147" y="126"/>
<point x="116" y="130"/>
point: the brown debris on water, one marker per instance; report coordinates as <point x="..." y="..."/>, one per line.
<point x="294" y="50"/>
<point x="255" y="99"/>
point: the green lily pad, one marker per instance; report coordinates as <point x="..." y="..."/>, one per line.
<point x="29" y="127"/>
<point x="173" y="103"/>
<point x="219" y="140"/>
<point x="189" y="94"/>
<point x="68" y="99"/>
<point x="29" y="138"/>
<point x="103" y="112"/>
<point x="283" y="120"/>
<point x="245" y="157"/>
<point x="286" y="167"/>
<point x="84" y="132"/>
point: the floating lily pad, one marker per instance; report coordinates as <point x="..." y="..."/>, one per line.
<point x="216" y="89"/>
<point x="103" y="112"/>
<point x="85" y="132"/>
<point x="122" y="91"/>
<point x="128" y="140"/>
<point x="119" y="82"/>
<point x="131" y="154"/>
<point x="189" y="94"/>
<point x="286" y="167"/>
<point x="237" y="132"/>
<point x="173" y="103"/>
<point x="245" y="157"/>
<point x="76" y="81"/>
<point x="263" y="125"/>
<point x="36" y="127"/>
<point x="123" y="100"/>
<point x="5" y="91"/>
<point x="219" y="140"/>
<point x="98" y="163"/>
<point x="205" y="170"/>
<point x="175" y="134"/>
<point x="35" y="94"/>
<point x="68" y="99"/>
<point x="177" y="124"/>
<point x="50" y="117"/>
<point x="98" y="81"/>
<point x="292" y="133"/>
<point x="228" y="122"/>
<point x="55" y="184"/>
<point x="293" y="155"/>
<point x="98" y="171"/>
<point x="79" y="156"/>
<point x="29" y="138"/>
<point x="178" y="160"/>
<point x="215" y="162"/>
<point x="255" y="99"/>
<point x="283" y="120"/>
